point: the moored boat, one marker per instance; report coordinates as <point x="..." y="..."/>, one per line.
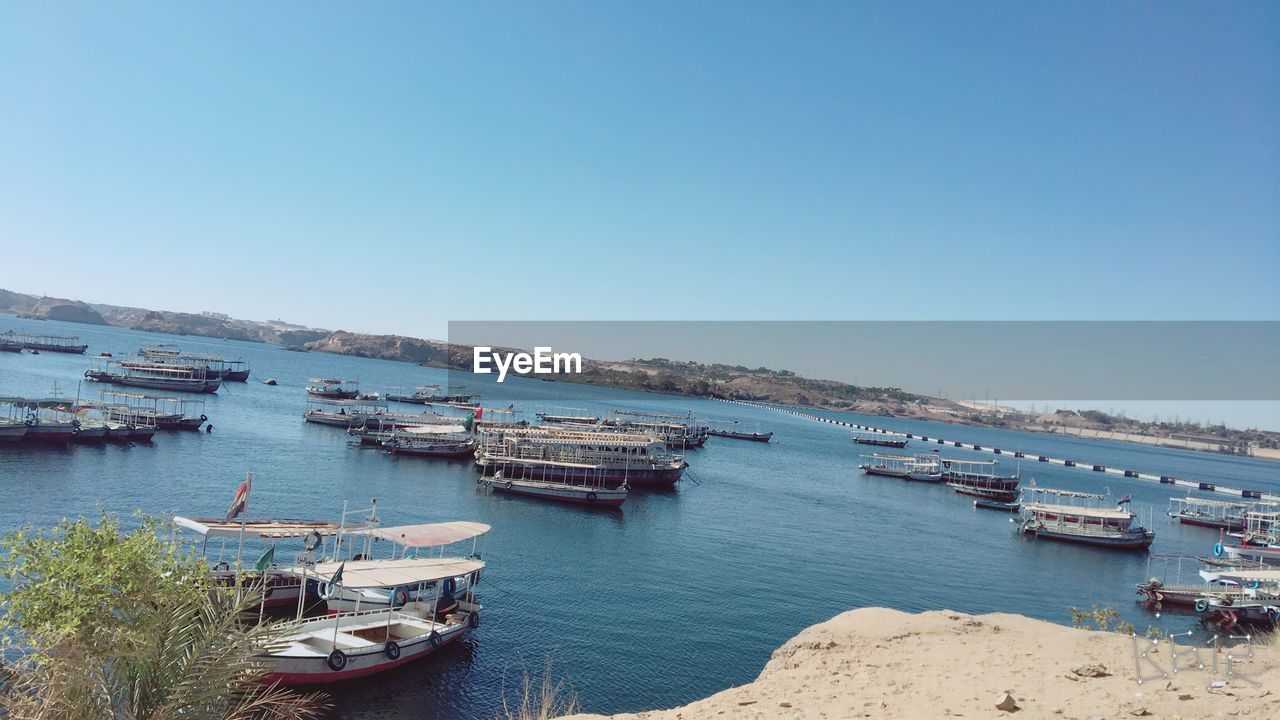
<point x="879" y="441"/>
<point x="979" y="479"/>
<point x="756" y="436"/>
<point x="49" y="343"/>
<point x="916" y="468"/>
<point x="360" y="643"/>
<point x="155" y="376"/>
<point x="1219" y="514"/>
<point x="1082" y="518"/>
<point x="578" y="483"/>
<point x="1002" y="506"/>
<point x="334" y="389"/>
<point x="638" y="459"/>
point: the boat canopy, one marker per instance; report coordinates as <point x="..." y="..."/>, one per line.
<point x="1080" y="510"/>
<point x="362" y="574"/>
<point x="427" y="535"/>
<point x="275" y="529"/>
<point x="1244" y="577"/>
<point x="432" y="429"/>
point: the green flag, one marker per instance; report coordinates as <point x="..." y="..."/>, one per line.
<point x="337" y="575"/>
<point x="471" y="418"/>
<point x="267" y="559"/>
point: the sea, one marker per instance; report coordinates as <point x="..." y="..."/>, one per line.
<point x="677" y="595"/>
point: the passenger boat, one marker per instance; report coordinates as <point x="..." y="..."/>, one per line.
<point x="436" y="445"/>
<point x="279" y="590"/>
<point x="679" y="432"/>
<point x="156" y="376"/>
<point x="321" y="540"/>
<point x="1231" y="587"/>
<point x="47" y="420"/>
<point x="342" y="413"/>
<point x="917" y="468"/>
<point x="979" y="479"/>
<point x="577" y="483"/>
<point x="406" y="541"/>
<point x="216" y="366"/>
<point x="334" y="389"/>
<point x="364" y="642"/>
<point x="637" y="459"/>
<point x="1220" y="514"/>
<point x="427" y="395"/>
<point x="158" y="411"/>
<point x="878" y="441"/>
<point x="48" y="343"/>
<point x="1082" y="518"/>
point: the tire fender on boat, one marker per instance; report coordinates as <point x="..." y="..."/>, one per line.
<point x="474" y="619"/>
<point x="507" y="485"/>
<point x="204" y="418"/>
<point x="591" y="497"/>
<point x="336" y="661"/>
<point x="1217" y="549"/>
<point x="1202" y="605"/>
<point x="436" y="640"/>
<point x="399" y="598"/>
<point x="31" y="419"/>
<point x="392" y="649"/>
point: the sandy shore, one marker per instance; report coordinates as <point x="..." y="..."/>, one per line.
<point x="881" y="663"/>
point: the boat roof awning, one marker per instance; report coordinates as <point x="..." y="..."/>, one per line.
<point x="432" y="429"/>
<point x="272" y="529"/>
<point x="358" y="574"/>
<point x="429" y="534"/>
<point x="1078" y="510"/>
<point x="1247" y="576"/>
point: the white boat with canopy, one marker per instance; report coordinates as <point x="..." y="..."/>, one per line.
<point x="363" y="642"/>
<point x="407" y="542"/>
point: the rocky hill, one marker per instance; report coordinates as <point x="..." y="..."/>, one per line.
<point x="47" y="308"/>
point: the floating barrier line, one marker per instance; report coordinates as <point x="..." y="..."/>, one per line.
<point x="1094" y="467"/>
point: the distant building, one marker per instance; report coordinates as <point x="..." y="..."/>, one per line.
<point x="216" y="316"/>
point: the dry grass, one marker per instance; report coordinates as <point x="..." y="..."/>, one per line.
<point x="543" y="701"/>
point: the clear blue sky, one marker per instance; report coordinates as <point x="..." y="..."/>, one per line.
<point x="389" y="167"/>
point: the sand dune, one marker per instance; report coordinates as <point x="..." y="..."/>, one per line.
<point x="881" y="663"/>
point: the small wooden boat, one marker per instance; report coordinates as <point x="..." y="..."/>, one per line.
<point x="427" y="395"/>
<point x="916" y="468"/>
<point x="879" y="442"/>
<point x="430" y="445"/>
<point x="342" y="413"/>
<point x="741" y="435"/>
<point x="334" y="389"/>
<point x="270" y="381"/>
<point x="1010" y="507"/>
<point x="350" y="645"/>
<point x="10" y="346"/>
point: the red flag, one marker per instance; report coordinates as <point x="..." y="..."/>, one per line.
<point x="479" y="412"/>
<point x="240" y="502"/>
